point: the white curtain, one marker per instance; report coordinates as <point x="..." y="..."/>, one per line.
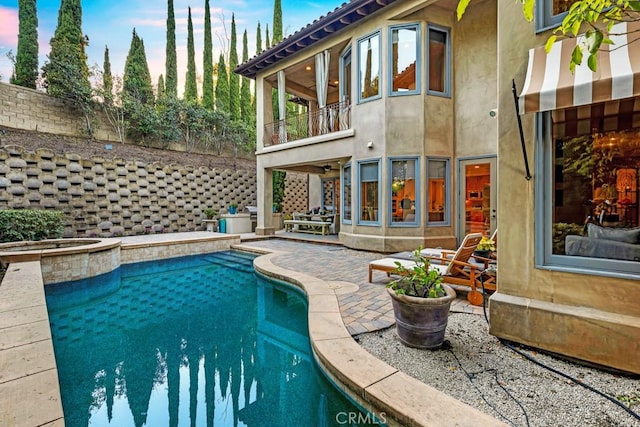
<point x="282" y="106"/>
<point x="322" y="85"/>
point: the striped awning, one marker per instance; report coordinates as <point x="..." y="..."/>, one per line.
<point x="550" y="85"/>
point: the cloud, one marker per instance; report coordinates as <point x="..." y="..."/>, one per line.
<point x="9" y="27"/>
<point x="146" y="22"/>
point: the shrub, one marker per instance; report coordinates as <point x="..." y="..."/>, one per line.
<point x="26" y="224"/>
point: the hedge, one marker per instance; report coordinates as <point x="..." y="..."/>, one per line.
<point x="25" y="224"/>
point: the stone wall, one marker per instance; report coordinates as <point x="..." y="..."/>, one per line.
<point x="29" y="109"/>
<point x="115" y="197"/>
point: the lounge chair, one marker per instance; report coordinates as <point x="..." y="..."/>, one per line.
<point x="456" y="270"/>
<point x="478" y="261"/>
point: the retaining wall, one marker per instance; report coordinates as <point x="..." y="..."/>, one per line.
<point x="115" y="197"/>
<point x="29" y="109"/>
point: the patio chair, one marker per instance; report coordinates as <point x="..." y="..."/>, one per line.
<point x="449" y="253"/>
<point x="455" y="270"/>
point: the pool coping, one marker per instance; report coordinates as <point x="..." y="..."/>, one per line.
<point x="393" y="396"/>
<point x="29" y="389"/>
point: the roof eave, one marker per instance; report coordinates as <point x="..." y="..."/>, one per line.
<point x="339" y="19"/>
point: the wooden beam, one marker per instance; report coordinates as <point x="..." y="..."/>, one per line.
<point x="299" y="90"/>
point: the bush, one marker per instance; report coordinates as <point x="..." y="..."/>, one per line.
<point x="25" y="224"/>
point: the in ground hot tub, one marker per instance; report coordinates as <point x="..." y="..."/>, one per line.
<point x="63" y="260"/>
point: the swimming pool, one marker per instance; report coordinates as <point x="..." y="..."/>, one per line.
<point x="199" y="340"/>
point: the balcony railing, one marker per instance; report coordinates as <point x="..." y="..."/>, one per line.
<point x="332" y="118"/>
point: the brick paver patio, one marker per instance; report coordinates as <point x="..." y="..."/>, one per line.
<point x="366" y="309"/>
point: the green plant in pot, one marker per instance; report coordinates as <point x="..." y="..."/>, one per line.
<point x="421" y="303"/>
<point x="485" y="247"/>
<point x="232" y="208"/>
<point x="210" y="213"/>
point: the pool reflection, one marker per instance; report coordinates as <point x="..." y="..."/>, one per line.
<point x="187" y="342"/>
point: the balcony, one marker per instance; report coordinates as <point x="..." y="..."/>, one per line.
<point x="332" y="118"/>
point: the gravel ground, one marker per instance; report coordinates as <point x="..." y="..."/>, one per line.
<point x="476" y="368"/>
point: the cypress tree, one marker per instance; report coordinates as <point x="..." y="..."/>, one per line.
<point x="190" y="86"/>
<point x="279" y="177"/>
<point x="107" y="77"/>
<point x="234" y="79"/>
<point x="258" y="40"/>
<point x="171" y="61"/>
<point x="207" y="66"/>
<point x="222" y="86"/>
<point x="66" y="74"/>
<point x="246" y="111"/>
<point x="137" y="79"/>
<point x="267" y="44"/>
<point x="277" y="22"/>
<point x="258" y="52"/>
<point x="277" y="38"/>
<point x="160" y="89"/>
<point x="26" y="71"/>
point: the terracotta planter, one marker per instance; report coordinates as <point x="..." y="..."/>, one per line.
<point x="421" y="322"/>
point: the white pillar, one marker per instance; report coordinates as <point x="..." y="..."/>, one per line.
<point x="264" y="187"/>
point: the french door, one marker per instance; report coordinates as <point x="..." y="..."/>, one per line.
<point x="477" y="196"/>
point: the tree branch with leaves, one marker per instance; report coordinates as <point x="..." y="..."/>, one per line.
<point x="598" y="16"/>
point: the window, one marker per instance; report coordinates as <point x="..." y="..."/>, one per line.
<point x="592" y="177"/>
<point x="438" y="191"/>
<point x="404" y="191"/>
<point x="330" y="195"/>
<point x="346" y="194"/>
<point x="345" y="76"/>
<point x="369" y="194"/>
<point x="404" y="59"/>
<point x="550" y="13"/>
<point x="438" y="61"/>
<point x="369" y="67"/>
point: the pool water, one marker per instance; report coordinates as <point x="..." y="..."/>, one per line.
<point x="195" y="341"/>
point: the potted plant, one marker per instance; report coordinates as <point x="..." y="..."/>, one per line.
<point x="420" y="303"/>
<point x="210" y="213"/>
<point x="485" y="247"/>
<point x="211" y="221"/>
<point x="232" y="208"/>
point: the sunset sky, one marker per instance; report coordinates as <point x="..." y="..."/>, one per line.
<point x="111" y="23"/>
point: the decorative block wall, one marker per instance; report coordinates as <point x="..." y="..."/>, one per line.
<point x="115" y="197"/>
<point x="296" y="194"/>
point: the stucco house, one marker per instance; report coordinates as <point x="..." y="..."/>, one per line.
<point x="408" y="127"/>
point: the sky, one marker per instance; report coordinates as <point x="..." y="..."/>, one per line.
<point x="111" y="23"/>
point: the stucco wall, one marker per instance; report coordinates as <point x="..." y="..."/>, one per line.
<point x="476" y="81"/>
<point x="115" y="197"/>
<point x="580" y="314"/>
